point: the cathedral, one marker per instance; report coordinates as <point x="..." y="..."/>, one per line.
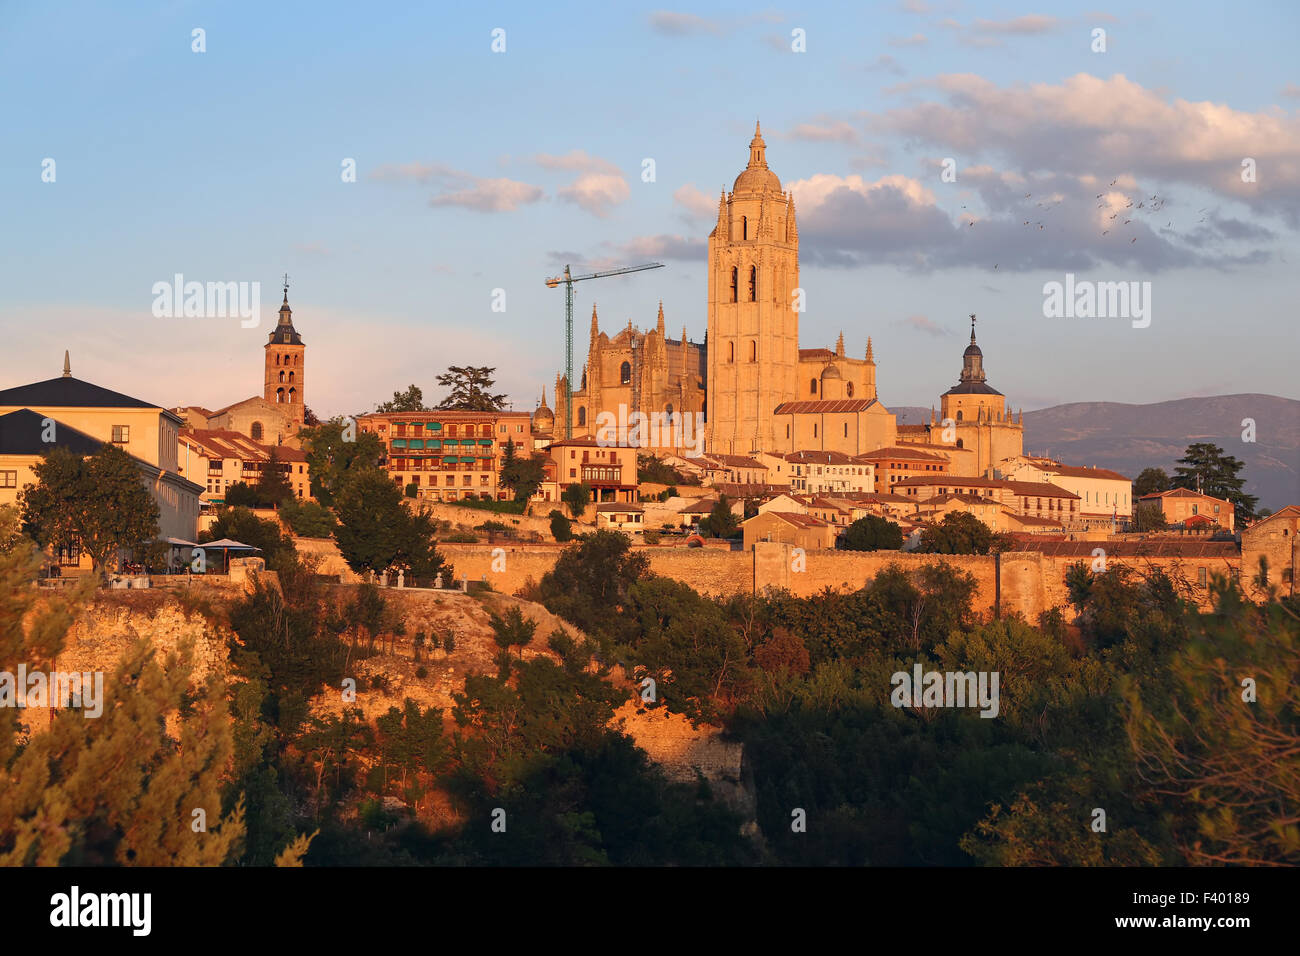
<point x="755" y="387"/>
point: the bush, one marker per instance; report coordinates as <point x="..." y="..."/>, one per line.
<point x="308" y="519"/>
<point x="412" y="490"/>
<point x="460" y="537"/>
<point x="502" y="507"/>
<point x="449" y="643"/>
<point x="872" y="533"/>
<point x="561" y="527"/>
<point x="422" y="672"/>
<point x="650" y="537"/>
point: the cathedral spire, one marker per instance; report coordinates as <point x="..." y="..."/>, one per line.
<point x="661" y="318"/>
<point x="757" y="159"/>
<point x="595" y="325"/>
<point x="791" y="228"/>
<point x="871" y="356"/>
<point x="839" y="346"/>
<point x="67" y="365"/>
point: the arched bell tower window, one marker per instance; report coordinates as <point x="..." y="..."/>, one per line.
<point x="582" y="416"/>
<point x="744" y="227"/>
<point x="279" y="396"/>
<point x="959" y="414"/>
<point x="625" y="374"/>
<point x="735" y="283"/>
<point x="753" y="283"/>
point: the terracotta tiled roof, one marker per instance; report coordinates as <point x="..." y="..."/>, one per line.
<point x="1078" y="471"/>
<point x="831" y="406"/>
<point x="1148" y="548"/>
<point x="900" y="452"/>
<point x="819" y="458"/>
<point x="733" y="489"/>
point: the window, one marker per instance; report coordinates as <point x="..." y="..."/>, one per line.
<point x="959" y="414"/>
<point x="279" y="396"/>
<point x="753" y="350"/>
<point x="814" y="431"/>
<point x="582" y="416"/>
<point x="787" y="435"/>
<point x="625" y="374"/>
<point x="8" y="479"/>
<point x="744" y="227"/>
<point x="731" y="351"/>
<point x="282" y="376"/>
<point x="1200" y="576"/>
<point x="848" y="389"/>
<point x="753" y="283"/>
<point x="812" y="386"/>
<point x="256" y="431"/>
<point x="735" y="283"/>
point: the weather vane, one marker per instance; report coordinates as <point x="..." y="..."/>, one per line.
<point x="286" y="283"/>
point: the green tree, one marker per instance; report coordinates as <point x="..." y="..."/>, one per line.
<point x="1148" y="516"/>
<point x="371" y="518"/>
<point x="722" y="521"/>
<point x="960" y="533"/>
<point x="98" y="502"/>
<point x="11" y="527"/>
<point x="308" y="519"/>
<point x="872" y="533"/>
<point x="1151" y="481"/>
<point x="123" y="788"/>
<point x="561" y="528"/>
<point x="577" y="497"/>
<point x="334" y="450"/>
<point x="1216" y="735"/>
<point x="512" y="629"/>
<point x="377" y="532"/>
<point x="1205" y="468"/>
<point x="589" y="585"/>
<point x="470" y="389"/>
<point x="240" y="524"/>
<point x="240" y="494"/>
<point x="523" y="476"/>
<point x="411" y="400"/>
<point x="272" y="488"/>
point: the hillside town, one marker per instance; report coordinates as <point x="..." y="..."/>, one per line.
<point x="797" y="444"/>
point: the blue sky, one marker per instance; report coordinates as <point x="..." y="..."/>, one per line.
<point x="479" y="171"/>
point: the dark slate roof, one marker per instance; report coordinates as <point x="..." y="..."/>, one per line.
<point x="972" y="388"/>
<point x="68" y="392"/>
<point x="21" y="433"/>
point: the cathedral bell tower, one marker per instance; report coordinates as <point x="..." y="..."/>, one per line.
<point x="753" y="328"/>
<point x="285" y="354"/>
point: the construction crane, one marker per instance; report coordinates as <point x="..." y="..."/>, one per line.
<point x="567" y="281"/>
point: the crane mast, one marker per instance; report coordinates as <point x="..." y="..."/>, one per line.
<point x="567" y="280"/>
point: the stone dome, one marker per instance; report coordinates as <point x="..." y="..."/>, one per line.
<point x="756" y="177"/>
<point x="830" y="371"/>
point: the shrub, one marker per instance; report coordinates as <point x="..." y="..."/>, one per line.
<point x="422" y="672"/>
<point x="561" y="527"/>
<point x="650" y="537"/>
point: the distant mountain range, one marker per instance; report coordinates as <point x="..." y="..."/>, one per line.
<point x="1128" y="438"/>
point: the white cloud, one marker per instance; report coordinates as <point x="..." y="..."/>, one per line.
<point x="490" y="195"/>
<point x="695" y="204"/>
<point x="596" y="192"/>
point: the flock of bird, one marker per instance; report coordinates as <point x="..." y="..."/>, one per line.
<point x="1153" y="203"/>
